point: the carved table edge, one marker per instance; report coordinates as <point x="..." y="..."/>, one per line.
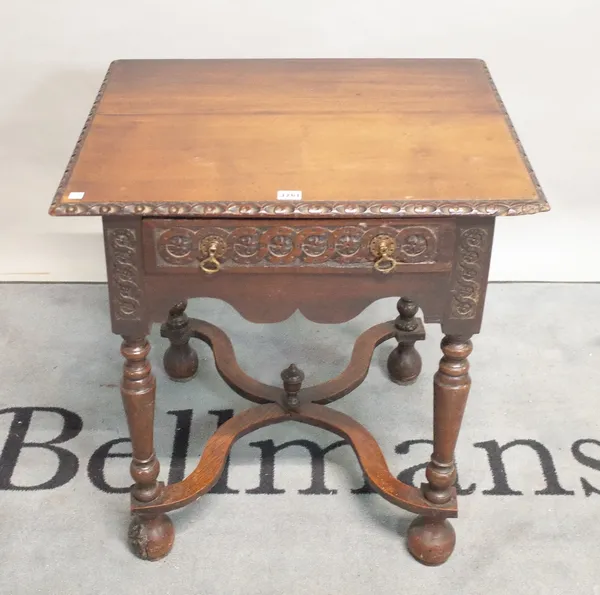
<point x="424" y="208"/>
<point x="516" y="139"/>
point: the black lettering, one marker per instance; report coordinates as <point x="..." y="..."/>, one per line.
<point x="221" y="486"/>
<point x="501" y="487"/>
<point x="268" y="450"/>
<point x="364" y="489"/>
<point x="97" y="463"/>
<point x="68" y="464"/>
<point x="590" y="462"/>
<point x="181" y="443"/>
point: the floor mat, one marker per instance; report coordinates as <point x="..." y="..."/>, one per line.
<point x="288" y="517"/>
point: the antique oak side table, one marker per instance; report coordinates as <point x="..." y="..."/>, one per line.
<point x="311" y="185"/>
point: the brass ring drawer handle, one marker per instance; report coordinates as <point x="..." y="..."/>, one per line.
<point x="383" y="247"/>
<point x="212" y="248"/>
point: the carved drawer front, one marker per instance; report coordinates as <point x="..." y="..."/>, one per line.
<point x="210" y="246"/>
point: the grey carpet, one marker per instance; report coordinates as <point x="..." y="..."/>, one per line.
<point x="535" y="371"/>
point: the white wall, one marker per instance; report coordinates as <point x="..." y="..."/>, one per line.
<point x="543" y="56"/>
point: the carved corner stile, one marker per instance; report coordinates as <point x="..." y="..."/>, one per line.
<point x="470" y="275"/>
<point x="125" y="269"/>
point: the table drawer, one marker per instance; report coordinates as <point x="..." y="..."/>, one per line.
<point x="207" y="246"/>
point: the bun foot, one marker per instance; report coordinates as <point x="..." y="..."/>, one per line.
<point x="181" y="362"/>
<point x="151" y="537"/>
<point x="404" y="364"/>
<point x="430" y="541"/>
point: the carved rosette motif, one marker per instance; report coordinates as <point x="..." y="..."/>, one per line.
<point x="288" y="245"/>
<point x="467" y="285"/>
<point x="124" y="274"/>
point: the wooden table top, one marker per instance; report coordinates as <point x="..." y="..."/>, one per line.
<point x="361" y="138"/>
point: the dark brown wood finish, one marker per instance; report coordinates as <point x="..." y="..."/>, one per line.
<point x="468" y="284"/>
<point x="321" y="298"/>
<point x="125" y="273"/>
<point x="150" y="536"/>
<point x="138" y="389"/>
<point x="451" y="386"/>
<point x="177" y="246"/>
<point x="370" y="457"/>
<point x="180" y="360"/>
<point x="403" y="165"/>
<point x="404" y="363"/>
<point x="432" y="541"/>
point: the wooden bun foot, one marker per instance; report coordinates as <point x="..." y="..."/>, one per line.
<point x="151" y="537"/>
<point x="404" y="364"/>
<point x="181" y="362"/>
<point x="430" y="541"/>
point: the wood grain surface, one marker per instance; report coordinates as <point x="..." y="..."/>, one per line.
<point x="371" y="459"/>
<point x="215" y="132"/>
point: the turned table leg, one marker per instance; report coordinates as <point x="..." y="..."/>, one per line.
<point x="150" y="536"/>
<point x="432" y="541"/>
<point x="404" y="363"/>
<point x="180" y="359"/>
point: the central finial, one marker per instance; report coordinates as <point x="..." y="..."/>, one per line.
<point x="292" y="378"/>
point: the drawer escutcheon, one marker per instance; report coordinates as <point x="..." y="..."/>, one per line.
<point x="211" y="248"/>
<point x="383" y="248"/>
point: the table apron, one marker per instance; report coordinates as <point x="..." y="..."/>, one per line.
<point x="319" y="297"/>
<point x="307" y="270"/>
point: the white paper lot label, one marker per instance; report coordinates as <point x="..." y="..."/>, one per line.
<point x="289" y="195"/>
